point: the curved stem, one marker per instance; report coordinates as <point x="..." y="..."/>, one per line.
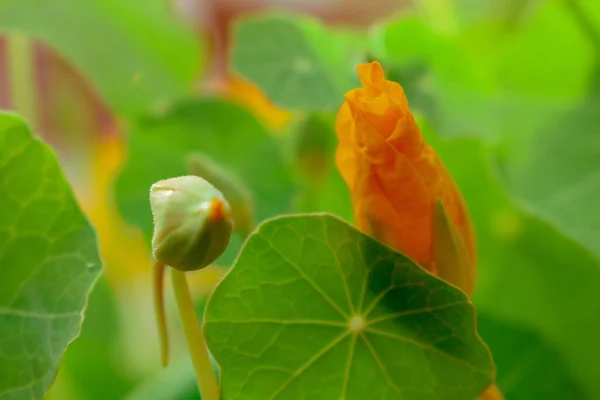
<point x="158" y="272"/>
<point x="207" y="383"/>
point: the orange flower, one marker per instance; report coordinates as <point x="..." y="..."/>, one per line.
<point x="395" y="178"/>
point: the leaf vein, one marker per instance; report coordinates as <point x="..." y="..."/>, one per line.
<point x="310" y="362"/>
<point x="381" y="365"/>
<point x="425" y="346"/>
<point x="416" y="312"/>
<point x="308" y="279"/>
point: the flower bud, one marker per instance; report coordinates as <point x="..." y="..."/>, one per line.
<point x="394" y="176"/>
<point x="192" y="222"/>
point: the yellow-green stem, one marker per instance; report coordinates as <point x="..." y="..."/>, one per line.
<point x="207" y="382"/>
<point x="21" y="75"/>
<point x="158" y="273"/>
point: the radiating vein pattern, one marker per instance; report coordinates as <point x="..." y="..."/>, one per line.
<point x="315" y="309"/>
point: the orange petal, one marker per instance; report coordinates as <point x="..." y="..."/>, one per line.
<point x="393" y="176"/>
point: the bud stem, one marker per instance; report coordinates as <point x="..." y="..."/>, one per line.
<point x="158" y="272"/>
<point x="207" y="382"/>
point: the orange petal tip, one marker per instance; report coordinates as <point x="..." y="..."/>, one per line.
<point x="217" y="210"/>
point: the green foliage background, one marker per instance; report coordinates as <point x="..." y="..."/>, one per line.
<point x="506" y="93"/>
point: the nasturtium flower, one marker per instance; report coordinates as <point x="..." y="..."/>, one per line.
<point x="402" y="194"/>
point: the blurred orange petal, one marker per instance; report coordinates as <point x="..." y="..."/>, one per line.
<point x="251" y="97"/>
<point x="122" y="247"/>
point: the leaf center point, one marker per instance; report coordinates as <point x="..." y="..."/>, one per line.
<point x="357" y="324"/>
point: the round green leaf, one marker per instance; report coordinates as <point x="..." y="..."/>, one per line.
<point x="48" y="263"/>
<point x="315" y="309"/>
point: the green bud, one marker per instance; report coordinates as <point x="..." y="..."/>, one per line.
<point x="192" y="222"/>
<point x="236" y="193"/>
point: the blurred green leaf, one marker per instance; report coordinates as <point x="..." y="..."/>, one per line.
<point x="555" y="171"/>
<point x="314" y="308"/>
<point x="506" y="13"/>
<point x="96" y="352"/>
<point x="295" y="60"/>
<point x="314" y="145"/>
<point x="517" y="56"/>
<point x="529" y="273"/>
<point x="322" y="188"/>
<point x="48" y="263"/>
<point x="557" y="174"/>
<point x="133" y="51"/>
<point x="452" y="75"/>
<point x="528" y="367"/>
<point x="488" y="82"/>
<point x="540" y="68"/>
<point x="176" y="382"/>
<point x="159" y="146"/>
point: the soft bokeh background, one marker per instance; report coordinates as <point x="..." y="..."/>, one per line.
<point x="507" y="92"/>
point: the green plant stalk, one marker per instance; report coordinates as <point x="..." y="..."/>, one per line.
<point x="207" y="382"/>
<point x="21" y="75"/>
<point x="158" y="272"/>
